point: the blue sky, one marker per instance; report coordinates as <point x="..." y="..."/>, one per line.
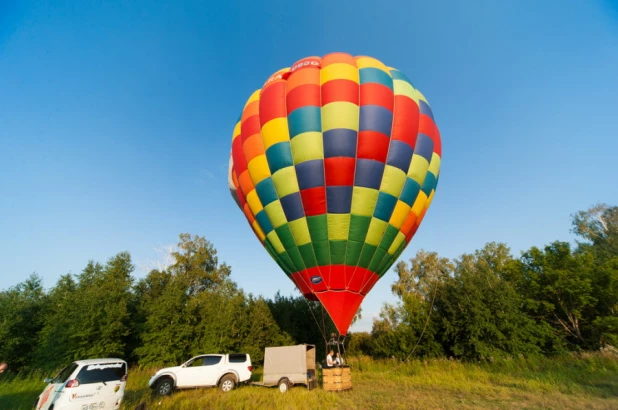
<point x="116" y="121"/>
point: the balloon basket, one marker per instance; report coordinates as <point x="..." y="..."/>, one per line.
<point x="336" y="378"/>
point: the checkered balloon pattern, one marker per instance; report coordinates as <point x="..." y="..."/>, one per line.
<point x="334" y="163"/>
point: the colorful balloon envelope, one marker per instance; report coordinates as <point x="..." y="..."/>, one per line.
<point x="334" y="162"/>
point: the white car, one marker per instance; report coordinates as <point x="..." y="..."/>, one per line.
<point x="225" y="371"/>
<point x="86" y="385"/>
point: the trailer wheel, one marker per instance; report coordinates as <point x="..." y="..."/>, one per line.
<point x="284" y="385"/>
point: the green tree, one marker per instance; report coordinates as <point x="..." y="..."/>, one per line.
<point x="219" y="318"/>
<point x="410" y="326"/>
<point x="196" y="264"/>
<point x="598" y="226"/>
<point x="263" y="331"/>
<point x="360" y="344"/>
<point x="102" y="299"/>
<point x="558" y="286"/>
<point x="148" y="292"/>
<point x="304" y="320"/>
<point x="193" y="307"/>
<point x="166" y="332"/>
<point x="425" y="272"/>
<point x="575" y="290"/>
<point x="186" y="305"/>
<point x="21" y="318"/>
<point x="605" y="312"/>
<point x="54" y="340"/>
<point x="481" y="311"/>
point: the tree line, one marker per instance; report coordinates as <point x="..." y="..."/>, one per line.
<point x="480" y="306"/>
<point x="490" y="304"/>
<point x="189" y="308"/>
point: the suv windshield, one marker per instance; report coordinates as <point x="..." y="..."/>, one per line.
<point x="101" y="373"/>
<point x="65" y="373"/>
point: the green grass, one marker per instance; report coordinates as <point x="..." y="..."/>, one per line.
<point x="20" y="392"/>
<point x="578" y="381"/>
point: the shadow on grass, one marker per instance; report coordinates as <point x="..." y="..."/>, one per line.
<point x="596" y="382"/>
<point x="142" y="395"/>
<point x="19" y="401"/>
<point x="604" y="389"/>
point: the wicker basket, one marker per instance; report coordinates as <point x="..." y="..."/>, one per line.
<point x="336" y="378"/>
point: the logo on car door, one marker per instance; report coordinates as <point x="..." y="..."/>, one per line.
<point x="46" y="395"/>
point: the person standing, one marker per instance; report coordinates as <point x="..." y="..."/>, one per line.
<point x="339" y="360"/>
<point x="329" y="359"/>
<point x="3" y="367"/>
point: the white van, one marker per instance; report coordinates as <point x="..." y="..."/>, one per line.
<point x="86" y="385"/>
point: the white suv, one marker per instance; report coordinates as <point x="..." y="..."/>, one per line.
<point x="86" y="385"/>
<point x="225" y="371"/>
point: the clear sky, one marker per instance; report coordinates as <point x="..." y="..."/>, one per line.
<point x="116" y="121"/>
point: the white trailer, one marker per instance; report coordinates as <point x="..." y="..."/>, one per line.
<point x="285" y="366"/>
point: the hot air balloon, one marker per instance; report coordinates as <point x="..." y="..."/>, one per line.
<point x="334" y="163"/>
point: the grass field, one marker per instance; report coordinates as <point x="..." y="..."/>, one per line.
<point x="583" y="381"/>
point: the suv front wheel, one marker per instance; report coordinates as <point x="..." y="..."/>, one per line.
<point x="164" y="387"/>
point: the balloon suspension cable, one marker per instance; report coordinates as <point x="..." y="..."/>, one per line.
<point x="345" y="356"/>
<point x="323" y="323"/>
<point x="321" y="329"/>
<point x="433" y="298"/>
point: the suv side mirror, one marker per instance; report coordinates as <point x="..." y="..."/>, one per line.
<point x="48" y="380"/>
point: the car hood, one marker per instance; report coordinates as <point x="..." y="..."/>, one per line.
<point x="168" y="370"/>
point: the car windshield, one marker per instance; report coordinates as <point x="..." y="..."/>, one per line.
<point x="65" y="373"/>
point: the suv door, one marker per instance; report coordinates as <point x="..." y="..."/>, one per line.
<point x="212" y="369"/>
<point x="190" y="374"/>
<point x="55" y="388"/>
